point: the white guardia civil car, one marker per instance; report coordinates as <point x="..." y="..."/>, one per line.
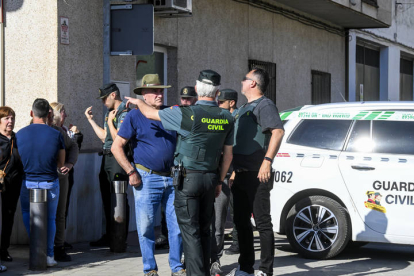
<point x="345" y="172"/>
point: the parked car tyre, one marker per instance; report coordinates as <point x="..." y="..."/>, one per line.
<point x="318" y="227"/>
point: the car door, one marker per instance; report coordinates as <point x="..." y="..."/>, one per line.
<point x="377" y="166"/>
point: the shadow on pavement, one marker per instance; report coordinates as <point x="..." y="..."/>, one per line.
<point x="367" y="260"/>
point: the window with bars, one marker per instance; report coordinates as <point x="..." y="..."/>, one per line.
<point x="371" y="2"/>
<point x="367" y="81"/>
<point x="270" y="68"/>
<point x="321" y="87"/>
<point x="406" y="79"/>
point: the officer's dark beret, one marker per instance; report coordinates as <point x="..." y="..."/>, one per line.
<point x="210" y="77"/>
<point x="227" y="94"/>
<point x="107" y="89"/>
<point x="188" y="92"/>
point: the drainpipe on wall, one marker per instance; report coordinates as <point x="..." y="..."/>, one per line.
<point x="1" y="55"/>
<point x="347" y="64"/>
<point x="106" y="46"/>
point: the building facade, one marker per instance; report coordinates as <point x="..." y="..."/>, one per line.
<point x="381" y="60"/>
<point x="303" y="44"/>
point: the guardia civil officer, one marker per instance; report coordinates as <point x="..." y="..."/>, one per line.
<point x="110" y="169"/>
<point x="227" y="99"/>
<point x="205" y="131"/>
<point x="259" y="132"/>
<point x="188" y="96"/>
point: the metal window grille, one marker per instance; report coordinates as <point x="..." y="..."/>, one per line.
<point x="321" y="87"/>
<point x="371" y="2"/>
<point x="406" y="67"/>
<point x="367" y="56"/>
<point x="406" y="80"/>
<point x="270" y="68"/>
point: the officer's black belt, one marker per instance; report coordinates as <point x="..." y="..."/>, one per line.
<point x="241" y="170"/>
<point x="187" y="171"/>
<point x="139" y="166"/>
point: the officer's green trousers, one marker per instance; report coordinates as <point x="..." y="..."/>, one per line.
<point x="194" y="206"/>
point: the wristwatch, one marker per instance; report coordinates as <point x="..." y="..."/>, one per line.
<point x="268" y="159"/>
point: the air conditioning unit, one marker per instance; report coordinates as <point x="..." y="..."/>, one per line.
<point x="173" y="8"/>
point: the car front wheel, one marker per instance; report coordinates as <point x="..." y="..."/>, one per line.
<point x="318" y="227"/>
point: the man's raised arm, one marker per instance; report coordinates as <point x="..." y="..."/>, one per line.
<point x="148" y="111"/>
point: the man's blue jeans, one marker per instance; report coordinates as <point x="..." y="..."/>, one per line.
<point x="153" y="191"/>
<point x="52" y="202"/>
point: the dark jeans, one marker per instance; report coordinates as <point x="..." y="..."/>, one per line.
<point x="218" y="223"/>
<point x="71" y="182"/>
<point x="9" y="198"/>
<point x="251" y="196"/>
<point x="110" y="171"/>
<point x="234" y="231"/>
<point x="194" y="203"/>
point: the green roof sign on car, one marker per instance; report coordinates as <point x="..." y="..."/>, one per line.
<point x="352" y="115"/>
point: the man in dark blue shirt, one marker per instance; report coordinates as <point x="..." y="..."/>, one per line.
<point x="153" y="148"/>
<point x="42" y="151"/>
<point x="205" y="131"/>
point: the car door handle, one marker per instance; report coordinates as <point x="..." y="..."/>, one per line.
<point x="362" y="167"/>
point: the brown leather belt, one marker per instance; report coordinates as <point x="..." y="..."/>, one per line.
<point x="139" y="166"/>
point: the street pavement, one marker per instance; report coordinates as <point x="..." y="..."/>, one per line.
<point x="372" y="259"/>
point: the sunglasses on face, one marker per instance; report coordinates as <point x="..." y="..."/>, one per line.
<point x="246" y="78"/>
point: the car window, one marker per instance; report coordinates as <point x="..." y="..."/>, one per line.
<point x="360" y="138"/>
<point x="323" y="134"/>
<point x="393" y="137"/>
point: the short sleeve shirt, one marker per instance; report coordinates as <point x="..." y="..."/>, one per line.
<point x="39" y="146"/>
<point x="268" y="118"/>
<point x="267" y="115"/>
<point x="173" y="117"/>
<point x="119" y="119"/>
<point x="153" y="146"/>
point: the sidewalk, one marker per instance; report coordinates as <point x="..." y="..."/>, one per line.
<point x="382" y="259"/>
<point x="100" y="261"/>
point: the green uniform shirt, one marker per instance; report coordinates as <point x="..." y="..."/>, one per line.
<point x="121" y="112"/>
<point x="203" y="131"/>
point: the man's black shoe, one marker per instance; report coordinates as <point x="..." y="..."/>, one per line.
<point x="5" y="256"/>
<point x="233" y="249"/>
<point x="60" y="254"/>
<point x="161" y="242"/>
<point x="67" y="245"/>
<point x="103" y="242"/>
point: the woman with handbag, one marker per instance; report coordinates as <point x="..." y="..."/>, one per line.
<point x="11" y="171"/>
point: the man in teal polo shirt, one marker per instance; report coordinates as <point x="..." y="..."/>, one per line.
<point x="205" y="131"/>
<point x="110" y="169"/>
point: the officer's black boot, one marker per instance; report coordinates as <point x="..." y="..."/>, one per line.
<point x="60" y="254"/>
<point x="103" y="241"/>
